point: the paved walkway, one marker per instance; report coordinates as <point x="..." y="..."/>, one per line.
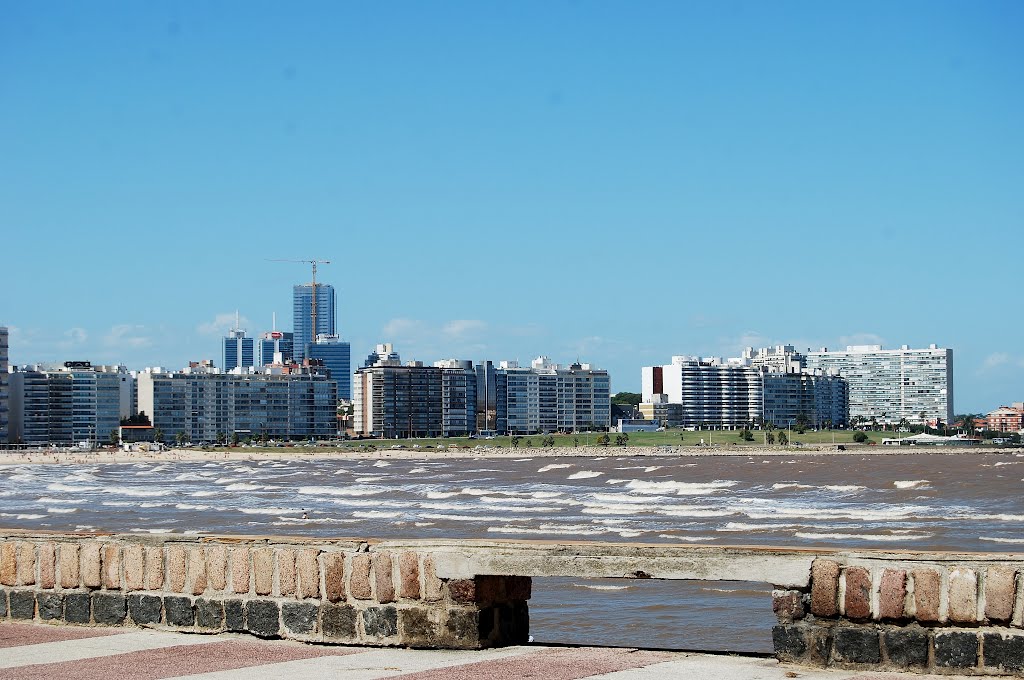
<point x="29" y="651"/>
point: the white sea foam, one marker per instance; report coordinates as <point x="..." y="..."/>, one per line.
<point x="189" y="477"/>
<point x="862" y="537"/>
<point x="695" y="512"/>
<point x="135" y="492"/>
<point x="687" y="539"/>
<point x="767" y="526"/>
<point x="381" y="463"/>
<point x="590" y="587"/>
<point x="626" y="498"/>
<point x="417" y="471"/>
<point x="680" y="488"/>
<point x="62" y="511"/>
<point x="554" y="466"/>
<point x="440" y="495"/>
<point x="203" y="494"/>
<point x="872" y="513"/>
<point x="57" y="486"/>
<point x="910" y="484"/>
<point x="791" y="485"/>
<point x="242" y="486"/>
<point x="652" y="468"/>
<point x="340" y="490"/>
<point x="997" y="539"/>
<point x="190" y="506"/>
<point x="138" y="530"/>
<point x="584" y="474"/>
<point x="375" y="514"/>
<point x="460" y="518"/>
<point x="29" y="516"/>
<point x="47" y="499"/>
<point x="549" y="531"/>
<point x="269" y="511"/>
<point x="843" y="488"/>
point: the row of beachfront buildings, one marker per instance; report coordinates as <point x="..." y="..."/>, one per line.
<point x="284" y="399"/>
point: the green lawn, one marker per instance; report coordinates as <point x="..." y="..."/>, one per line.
<point x="674" y="437"/>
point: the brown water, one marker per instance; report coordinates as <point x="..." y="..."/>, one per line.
<point x="924" y="501"/>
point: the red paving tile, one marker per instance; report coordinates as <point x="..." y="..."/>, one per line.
<point x="549" y="664"/>
<point x="153" y="664"/>
<point x="19" y="634"/>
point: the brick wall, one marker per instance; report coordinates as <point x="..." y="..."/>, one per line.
<point x="963" y="618"/>
<point x="340" y="592"/>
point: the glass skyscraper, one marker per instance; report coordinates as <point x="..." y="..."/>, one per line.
<point x="273" y="342"/>
<point x="326" y="320"/>
<point x="238" y="350"/>
<point x="337" y="358"/>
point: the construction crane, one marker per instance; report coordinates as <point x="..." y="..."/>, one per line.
<point x="312" y="306"/>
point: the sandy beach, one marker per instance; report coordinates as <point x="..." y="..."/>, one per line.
<point x="71" y="456"/>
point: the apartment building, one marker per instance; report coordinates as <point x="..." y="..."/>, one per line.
<point x="1006" y="418"/>
<point x="888" y="385"/>
<point x="5" y="393"/>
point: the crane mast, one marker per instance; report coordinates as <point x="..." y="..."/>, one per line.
<point x="312" y="306"/>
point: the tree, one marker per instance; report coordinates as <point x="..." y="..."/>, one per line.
<point x="515" y="441"/>
<point x="860" y="437"/>
<point x="234" y="439"/>
<point x="682" y="436"/>
<point x="627" y="398"/>
<point x="548" y="441"/>
<point x="802" y="423"/>
<point x="604" y="439"/>
<point x="621" y="439"/>
<point x="529" y="443"/>
<point x="904" y="424"/>
<point x="221" y="439"/>
<point x="115" y="438"/>
<point x="746" y="435"/>
<point x="783" y="439"/>
<point x="576" y="441"/>
<point x="769" y="437"/>
<point x="180" y="438"/>
<point x="158" y="435"/>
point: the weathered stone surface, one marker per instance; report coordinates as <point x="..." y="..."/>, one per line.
<point x="262" y="618"/>
<point x="338" y="621"/>
<point x="23" y="604"/>
<point x="789" y="642"/>
<point x="856" y="645"/>
<point x="409" y="575"/>
<point x="8" y="563"/>
<point x="857" y="600"/>
<point x="144" y="609"/>
<point x="307" y="570"/>
<point x="70" y="575"/>
<point x="26" y="563"/>
<point x="154" y="568"/>
<point x="1003" y="652"/>
<point x="77" y="608"/>
<point x="176" y="568"/>
<point x="1000" y="591"/>
<point x="788" y="605"/>
<point x="963" y="596"/>
<point x="263" y="570"/>
<point x="956" y="649"/>
<point x="179" y="611"/>
<point x="432" y="591"/>
<point x="927" y="592"/>
<point x="892" y="595"/>
<point x="462" y="628"/>
<point x="90" y="553"/>
<point x="217" y="566"/>
<point x="334" y="576"/>
<point x="382" y="570"/>
<point x="286" y="571"/>
<point x="825" y="588"/>
<point x="134" y="558"/>
<point x="50" y="606"/>
<point x="47" y="565"/>
<point x="109" y="608"/>
<point x="907" y="647"/>
<point x="419" y="627"/>
<point x="3" y="603"/>
<point x="111" y="568"/>
<point x="299" y="617"/>
<point x="380" y="622"/>
<point x="196" y="570"/>
<point x="209" y="614"/>
<point x="518" y="587"/>
<point x="240" y="570"/>
<point x="462" y="591"/>
<point x="359" y="586"/>
<point x="234" y="617"/>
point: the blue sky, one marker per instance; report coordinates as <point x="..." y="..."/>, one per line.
<point x="611" y="181"/>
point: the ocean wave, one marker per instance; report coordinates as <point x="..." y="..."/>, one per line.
<point x="687" y="539"/>
<point x="791" y="485"/>
<point x="269" y="511"/>
<point x="138" y="530"/>
<point x="135" y="493"/>
<point x="590" y="587"/>
<point x="843" y="488"/>
<point x="61" y="511"/>
<point x="375" y="514"/>
<point x="459" y="518"/>
<point x="28" y="516"/>
<point x="47" y="499"/>
<point x="997" y="539"/>
<point x="242" y="486"/>
<point x="694" y="512"/>
<point x="381" y="463"/>
<point x="58" y="486"/>
<point x="549" y="531"/>
<point x="910" y="483"/>
<point x="340" y="491"/>
<point x="895" y="512"/>
<point x="584" y="474"/>
<point x="554" y="466"/>
<point x="862" y="537"/>
<point x="441" y="495"/>
<point x="203" y="494"/>
<point x="190" y="506"/>
<point x="680" y="488"/>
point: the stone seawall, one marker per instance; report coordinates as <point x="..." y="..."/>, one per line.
<point x="872" y="610"/>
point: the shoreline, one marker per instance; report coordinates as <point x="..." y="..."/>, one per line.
<point x="71" y="457"/>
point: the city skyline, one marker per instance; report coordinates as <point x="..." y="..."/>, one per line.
<point x="612" y="182"/>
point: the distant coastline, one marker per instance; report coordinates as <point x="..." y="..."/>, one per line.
<point x="71" y="456"/>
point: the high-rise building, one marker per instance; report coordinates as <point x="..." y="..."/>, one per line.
<point x="337" y="358"/>
<point x="391" y="400"/>
<point x="889" y="385"/>
<point x="546" y="397"/>
<point x="458" y="397"/>
<point x="276" y="347"/>
<point x="239" y="351"/>
<point x="68" y="404"/>
<point x="203" y="404"/>
<point x="5" y="396"/>
<point x="302" y="311"/>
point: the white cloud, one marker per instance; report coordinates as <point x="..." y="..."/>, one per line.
<point x="400" y="328"/>
<point x="127" y="335"/>
<point x="221" y="324"/>
<point x="462" y="329"/>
